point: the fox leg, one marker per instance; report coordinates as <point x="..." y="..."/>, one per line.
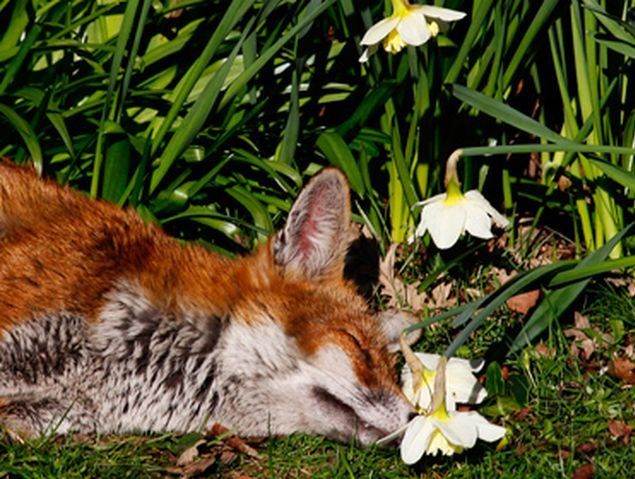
<point x="24" y="416"/>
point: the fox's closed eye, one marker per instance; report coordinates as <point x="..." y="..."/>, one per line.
<point x="360" y="350"/>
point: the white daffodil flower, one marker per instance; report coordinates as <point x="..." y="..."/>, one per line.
<point x="407" y="25"/>
<point x="460" y="383"/>
<point x="448" y="215"/>
<point x="446" y="431"/>
<point x="437" y="428"/>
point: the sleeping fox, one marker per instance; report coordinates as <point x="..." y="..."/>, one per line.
<point x="109" y="325"/>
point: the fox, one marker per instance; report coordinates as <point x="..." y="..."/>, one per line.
<point x="109" y="325"/>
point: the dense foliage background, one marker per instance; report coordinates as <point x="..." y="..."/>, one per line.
<point x="207" y="116"/>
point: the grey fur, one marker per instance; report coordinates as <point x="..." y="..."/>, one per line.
<point x="139" y="369"/>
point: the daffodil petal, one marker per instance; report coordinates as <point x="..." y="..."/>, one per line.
<point x="432" y="199"/>
<point x="413" y="29"/>
<point x="489" y="432"/>
<point x="429" y="361"/>
<point x="445" y="224"/>
<point x="459" y="430"/>
<point x="422" y="227"/>
<point x="463" y="386"/>
<point x="416" y="439"/>
<point x="445" y="14"/>
<point x="497" y="218"/>
<point x="478" y="222"/>
<point x="380" y="30"/>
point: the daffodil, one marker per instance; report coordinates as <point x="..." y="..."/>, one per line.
<point x="449" y="432"/>
<point x="439" y="429"/>
<point x="460" y="383"/>
<point x="448" y="215"/>
<point x="407" y="25"/>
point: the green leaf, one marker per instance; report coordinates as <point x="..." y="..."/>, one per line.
<point x="556" y="302"/>
<point x="337" y="152"/>
<point x="507" y="114"/>
<point x="268" y="54"/>
<point x="623" y="177"/>
<point x="116" y="170"/>
<point x="27" y="134"/>
<point x="195" y="118"/>
<point x="235" y="12"/>
<point x="494" y="383"/>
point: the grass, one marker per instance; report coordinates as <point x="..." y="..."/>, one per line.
<point x="562" y="426"/>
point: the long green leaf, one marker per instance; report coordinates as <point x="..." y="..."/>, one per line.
<point x="195" y="119"/>
<point x="556" y="302"/>
<point x="26" y="132"/>
<point x="338" y="153"/>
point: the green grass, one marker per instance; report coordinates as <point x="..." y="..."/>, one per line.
<point x="562" y="426"/>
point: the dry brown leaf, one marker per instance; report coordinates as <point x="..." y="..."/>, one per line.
<point x="620" y="430"/>
<point x="232" y="440"/>
<point x="581" y="341"/>
<point x="624" y="369"/>
<point x="398" y="293"/>
<point x="581" y="321"/>
<point x="196" y="468"/>
<point x="524" y="302"/>
<point x="545" y="351"/>
<point x="189" y="454"/>
<point x="521" y="449"/>
<point x="623" y="282"/>
<point x="587" y="448"/>
<point x="227" y="457"/>
<point x="523" y="413"/>
<point x="584" y="472"/>
<point x="440" y="296"/>
<point x="502" y="275"/>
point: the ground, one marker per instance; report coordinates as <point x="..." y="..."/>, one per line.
<point x="568" y="405"/>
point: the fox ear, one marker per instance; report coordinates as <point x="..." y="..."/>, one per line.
<point x="315" y="238"/>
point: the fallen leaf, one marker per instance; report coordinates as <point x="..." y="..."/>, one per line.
<point x="584" y="472"/>
<point x="398" y="293"/>
<point x="544" y="351"/>
<point x="523" y="413"/>
<point x="196" y="468"/>
<point x="587" y="448"/>
<point x="620" y="430"/>
<point x="521" y="449"/>
<point x="523" y="303"/>
<point x="624" y="369"/>
<point x="563" y="453"/>
<point x="227" y="457"/>
<point x="233" y="441"/>
<point x="581" y="321"/>
<point x="582" y="341"/>
<point x="502" y="275"/>
<point x="189" y="454"/>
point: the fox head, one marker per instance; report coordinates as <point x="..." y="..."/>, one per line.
<point x="318" y="360"/>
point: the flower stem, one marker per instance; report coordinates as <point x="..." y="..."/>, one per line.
<point x="412" y="361"/>
<point x="438" y="399"/>
<point x="451" y="174"/>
